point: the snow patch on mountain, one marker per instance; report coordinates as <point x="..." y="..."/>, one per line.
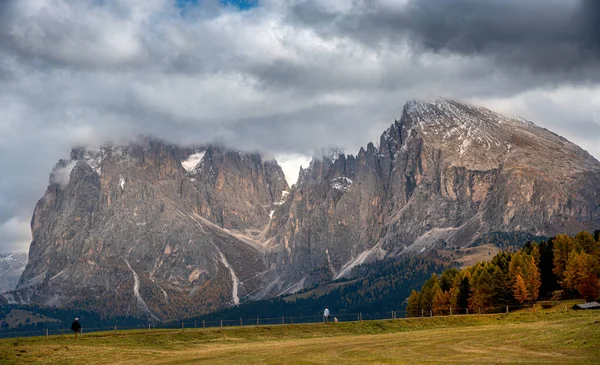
<point x="190" y="163"/>
<point x="341" y="183"/>
<point x="94" y="158"/>
<point x="375" y="252"/>
<point x="234" y="279"/>
<point x="136" y="292"/>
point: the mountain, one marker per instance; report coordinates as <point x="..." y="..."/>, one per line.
<point x="150" y="229"/>
<point x="11" y="267"/>
<point x="444" y="176"/>
<point x="153" y="229"/>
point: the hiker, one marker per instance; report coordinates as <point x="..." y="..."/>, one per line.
<point x="326" y="315"/>
<point x="76" y="327"/>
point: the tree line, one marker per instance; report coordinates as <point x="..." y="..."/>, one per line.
<point x="562" y="267"/>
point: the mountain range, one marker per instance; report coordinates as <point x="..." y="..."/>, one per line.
<point x="157" y="230"/>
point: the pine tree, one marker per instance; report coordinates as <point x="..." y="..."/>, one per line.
<point x="464" y="292"/>
<point x="547" y="276"/>
<point x="499" y="288"/>
<point x="447" y="278"/>
<point x="481" y="292"/>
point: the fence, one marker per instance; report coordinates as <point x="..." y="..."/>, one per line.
<point x="283" y="320"/>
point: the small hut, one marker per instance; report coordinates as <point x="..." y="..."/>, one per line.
<point x="585" y="306"/>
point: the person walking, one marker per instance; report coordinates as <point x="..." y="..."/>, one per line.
<point x="76" y="327"/>
<point x="326" y="315"/>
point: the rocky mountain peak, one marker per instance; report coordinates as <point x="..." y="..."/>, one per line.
<point x="164" y="231"/>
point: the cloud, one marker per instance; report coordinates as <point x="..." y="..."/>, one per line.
<point x="15" y="235"/>
<point x="543" y="36"/>
<point x="282" y="77"/>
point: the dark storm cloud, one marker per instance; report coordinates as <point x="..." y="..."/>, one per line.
<point x="542" y="35"/>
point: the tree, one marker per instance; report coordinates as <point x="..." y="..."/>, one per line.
<point x="586" y="242"/>
<point x="581" y="274"/>
<point x="481" y="291"/>
<point x="413" y="306"/>
<point x="447" y="278"/>
<point x="520" y="290"/>
<point x="533" y="280"/>
<point x="563" y="245"/>
<point x="464" y="292"/>
<point x="547" y="276"/>
<point x="500" y="291"/>
<point x="428" y="292"/>
<point x="441" y="303"/>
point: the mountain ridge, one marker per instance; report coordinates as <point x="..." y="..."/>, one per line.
<point x="163" y="231"/>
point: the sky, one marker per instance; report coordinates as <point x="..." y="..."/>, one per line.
<point x="282" y="77"/>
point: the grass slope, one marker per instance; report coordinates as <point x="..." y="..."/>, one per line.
<point x="542" y="337"/>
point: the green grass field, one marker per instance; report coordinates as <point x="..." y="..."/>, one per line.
<point x="534" y="338"/>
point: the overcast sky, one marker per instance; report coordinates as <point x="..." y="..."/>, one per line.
<point x="282" y="77"/>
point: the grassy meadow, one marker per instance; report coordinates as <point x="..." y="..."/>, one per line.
<point x="543" y="337"/>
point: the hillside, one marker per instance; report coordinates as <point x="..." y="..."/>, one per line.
<point x="549" y="338"/>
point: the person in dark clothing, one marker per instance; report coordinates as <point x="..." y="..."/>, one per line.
<point x="76" y="327"/>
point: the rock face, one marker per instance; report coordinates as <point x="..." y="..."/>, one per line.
<point x="151" y="229"/>
<point x="11" y="267"/>
<point x="167" y="232"/>
<point x="442" y="176"/>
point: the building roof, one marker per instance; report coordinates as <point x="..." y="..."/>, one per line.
<point x="590" y="305"/>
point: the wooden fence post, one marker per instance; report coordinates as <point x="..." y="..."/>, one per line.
<point x="148" y="327"/>
<point x="241" y="323"/>
<point x="479" y="310"/>
<point x="257" y="321"/>
<point x="422" y="312"/>
<point x="46" y="333"/>
<point x="195" y="324"/>
<point x="115" y="329"/>
<point x="450" y="310"/>
<point x="360" y="315"/>
<point x="282" y="320"/>
<point x="507" y="309"/>
<point x="203" y="324"/>
<point x="182" y="326"/>
<point x="430" y="313"/>
<point x="221" y="323"/>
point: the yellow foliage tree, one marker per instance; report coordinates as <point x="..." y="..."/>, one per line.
<point x="534" y="280"/>
<point x="563" y="245"/>
<point x="520" y="290"/>
<point x="581" y="274"/>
